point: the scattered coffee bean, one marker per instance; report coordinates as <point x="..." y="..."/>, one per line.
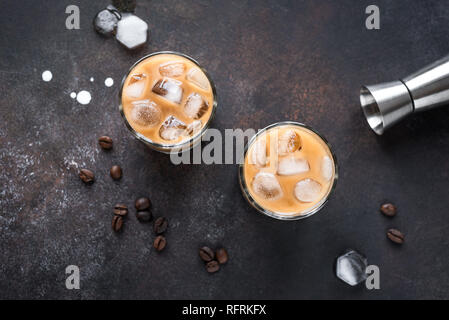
<point x="388" y="209"/>
<point x="159" y="243"/>
<point x="87" y="176"/>
<point x="222" y="255"/>
<point x="143" y="204"/>
<point x="121" y="210"/>
<point x="105" y="142"/>
<point x="117" y="223"/>
<point x="160" y="225"/>
<point x="116" y="172"/>
<point x="212" y="266"/>
<point x="207" y="254"/>
<point x="396" y="236"/>
<point x="144" y="216"/>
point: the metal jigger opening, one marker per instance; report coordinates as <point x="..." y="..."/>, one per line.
<point x="385" y="104"/>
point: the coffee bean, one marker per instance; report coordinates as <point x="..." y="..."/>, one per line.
<point x="117" y="223"/>
<point x="159" y="243"/>
<point x="144" y="216"/>
<point x="143" y="204"/>
<point x="121" y="210"/>
<point x="212" y="266"/>
<point x="207" y="254"/>
<point x="222" y="255"/>
<point x="105" y="142"/>
<point x="116" y="172"/>
<point x="388" y="209"/>
<point x="396" y="236"/>
<point x="87" y="176"/>
<point x="160" y="225"/>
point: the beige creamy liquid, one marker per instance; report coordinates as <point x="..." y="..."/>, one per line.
<point x="150" y="68"/>
<point x="313" y="150"/>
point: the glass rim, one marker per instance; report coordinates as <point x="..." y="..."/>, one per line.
<point x="183" y="145"/>
<point x="279" y="215"/>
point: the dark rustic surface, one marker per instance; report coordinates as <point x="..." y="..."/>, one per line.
<point x="271" y="61"/>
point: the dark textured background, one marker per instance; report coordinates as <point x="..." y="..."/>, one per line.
<point x="271" y="61"/>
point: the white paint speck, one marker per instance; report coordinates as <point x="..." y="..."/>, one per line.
<point x="83" y="97"/>
<point x="92" y="79"/>
<point x="47" y="75"/>
<point x="108" y="82"/>
<point x="73" y="95"/>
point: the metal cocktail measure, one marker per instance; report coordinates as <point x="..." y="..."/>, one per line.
<point x="387" y="103"/>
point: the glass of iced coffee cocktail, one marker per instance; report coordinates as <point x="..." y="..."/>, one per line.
<point x="288" y="171"/>
<point x="167" y="100"/>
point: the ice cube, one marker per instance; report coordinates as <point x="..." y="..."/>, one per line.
<point x="267" y="186"/>
<point x="170" y="89"/>
<point x="197" y="77"/>
<point x="172" y="128"/>
<point x="137" y="77"/>
<point x="292" y="165"/>
<point x="259" y="152"/>
<point x="326" y="168"/>
<point x="172" y="69"/>
<point x="196" y="106"/>
<point x="194" y="127"/>
<point x="105" y="22"/>
<point x="135" y="90"/>
<point x="351" y="267"/>
<point x="307" y="190"/>
<point x="289" y="142"/>
<point x="136" y="85"/>
<point x="132" y="32"/>
<point x="146" y="113"/>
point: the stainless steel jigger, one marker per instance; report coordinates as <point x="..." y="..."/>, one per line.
<point x="387" y="103"/>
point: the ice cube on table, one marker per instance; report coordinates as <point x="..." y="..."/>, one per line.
<point x="170" y="89"/>
<point x="194" y="127"/>
<point x="327" y="168"/>
<point x="172" y="69"/>
<point x="289" y="142"/>
<point x="197" y="77"/>
<point x="292" y="165"/>
<point x="172" y="128"/>
<point x="259" y="152"/>
<point x="267" y="186"/>
<point x="307" y="190"/>
<point x="105" y="22"/>
<point x="136" y="85"/>
<point x="146" y="113"/>
<point x="351" y="267"/>
<point x="132" y="32"/>
<point x="196" y="106"/>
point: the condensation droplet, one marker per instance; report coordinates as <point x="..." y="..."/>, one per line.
<point x="91" y="79"/>
<point x="47" y="75"/>
<point x="73" y="95"/>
